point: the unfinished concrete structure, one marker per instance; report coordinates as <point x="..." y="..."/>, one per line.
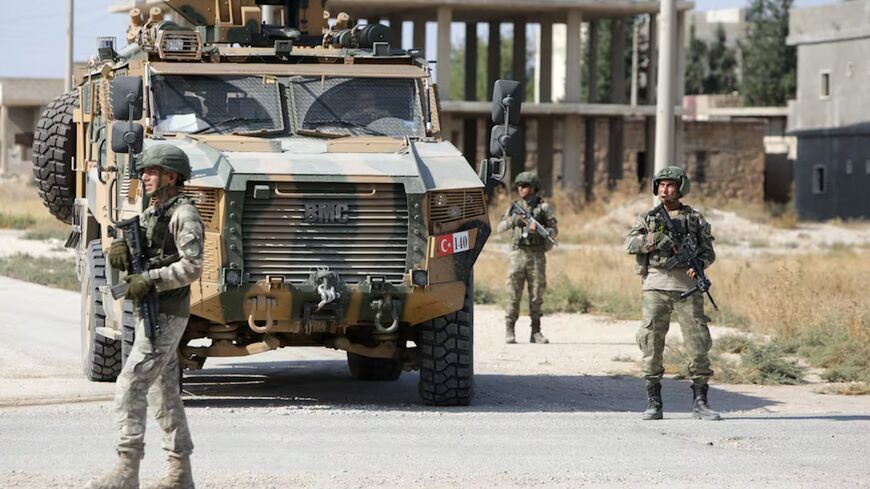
<point x="560" y="134"/>
<point x="21" y="103"/>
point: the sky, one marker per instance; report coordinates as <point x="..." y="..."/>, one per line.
<point x="33" y="38"/>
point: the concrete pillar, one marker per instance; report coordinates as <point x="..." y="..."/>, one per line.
<point x="679" y="88"/>
<point x="469" y="125"/>
<point x="572" y="155"/>
<point x="653" y="55"/>
<point x="572" y="51"/>
<point x="592" y="64"/>
<point x="666" y="91"/>
<point x="545" y="63"/>
<point x="546" y="124"/>
<point x="616" y="142"/>
<point x="493" y="57"/>
<point x="445" y="17"/>
<point x="420" y="33"/>
<point x="589" y="122"/>
<point x="634" y="60"/>
<point x="518" y="162"/>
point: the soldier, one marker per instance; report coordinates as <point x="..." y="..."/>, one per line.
<point x="172" y="226"/>
<point x="662" y="289"/>
<point x="528" y="259"/>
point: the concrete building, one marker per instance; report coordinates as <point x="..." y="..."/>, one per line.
<point x="21" y="103"/>
<point x="733" y="20"/>
<point x="780" y="149"/>
<point x="831" y="115"/>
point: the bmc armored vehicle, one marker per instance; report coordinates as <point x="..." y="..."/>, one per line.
<point x="335" y="213"/>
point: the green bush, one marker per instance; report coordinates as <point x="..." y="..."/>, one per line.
<point x="563" y="295"/>
<point x="484" y="294"/>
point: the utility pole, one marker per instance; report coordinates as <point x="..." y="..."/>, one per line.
<point x="68" y="75"/>
<point x="666" y="92"/>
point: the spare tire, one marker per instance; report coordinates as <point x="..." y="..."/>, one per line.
<point x="54" y="146"/>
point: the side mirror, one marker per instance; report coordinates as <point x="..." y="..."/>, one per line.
<point x="126" y="98"/>
<point x="507" y="98"/>
<point x="127" y="137"/>
<point x="505" y="141"/>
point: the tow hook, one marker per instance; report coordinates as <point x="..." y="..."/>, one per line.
<point x="382" y="308"/>
<point x="259" y="304"/>
<point x="327" y="292"/>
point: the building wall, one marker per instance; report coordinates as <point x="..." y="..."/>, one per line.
<point x="832" y="176"/>
<point x="847" y="64"/>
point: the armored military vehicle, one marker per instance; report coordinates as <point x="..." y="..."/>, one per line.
<point x="335" y="213"/>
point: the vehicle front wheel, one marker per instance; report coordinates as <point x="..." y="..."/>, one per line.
<point x="101" y="357"/>
<point x="447" y="356"/>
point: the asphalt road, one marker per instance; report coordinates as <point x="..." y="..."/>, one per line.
<point x="544" y="416"/>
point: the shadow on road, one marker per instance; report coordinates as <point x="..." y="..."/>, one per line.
<point x="327" y="384"/>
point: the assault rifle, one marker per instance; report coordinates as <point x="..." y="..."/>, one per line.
<point x="686" y="252"/>
<point x="139" y="263"/>
<point x="539" y="228"/>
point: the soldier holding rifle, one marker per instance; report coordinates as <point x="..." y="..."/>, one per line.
<point x="673" y="244"/>
<point x="172" y="235"/>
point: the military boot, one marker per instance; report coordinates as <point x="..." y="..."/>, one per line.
<point x="700" y="409"/>
<point x="653" y="401"/>
<point x="124" y="476"/>
<point x="510" y="336"/>
<point x="537" y="336"/>
<point x="178" y="476"/>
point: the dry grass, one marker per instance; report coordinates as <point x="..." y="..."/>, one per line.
<point x="21" y="208"/>
<point x="814" y="305"/>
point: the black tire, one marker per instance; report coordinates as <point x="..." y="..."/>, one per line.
<point x="54" y="146"/>
<point x="128" y="330"/>
<point x="101" y="357"/>
<point x="447" y="356"/>
<point x="366" y="368"/>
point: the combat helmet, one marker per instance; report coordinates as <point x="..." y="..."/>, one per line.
<point x="168" y="157"/>
<point x="672" y="173"/>
<point x="528" y="178"/>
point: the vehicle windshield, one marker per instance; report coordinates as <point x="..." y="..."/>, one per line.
<point x="217" y="104"/>
<point x="341" y="106"/>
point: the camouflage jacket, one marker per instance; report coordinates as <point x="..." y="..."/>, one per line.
<point x="520" y="238"/>
<point x="649" y="223"/>
<point x="174" y="236"/>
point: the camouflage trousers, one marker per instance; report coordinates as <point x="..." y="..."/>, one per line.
<point x="150" y="378"/>
<point x="657" y="307"/>
<point x="526" y="266"/>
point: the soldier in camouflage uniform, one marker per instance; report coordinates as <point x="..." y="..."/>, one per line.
<point x="528" y="259"/>
<point x="150" y="376"/>
<point x="662" y="289"/>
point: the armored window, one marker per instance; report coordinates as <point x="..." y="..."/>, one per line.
<point x="825" y="84"/>
<point x="867" y="167"/>
<point x="340" y="106"/>
<point x="819" y="180"/>
<point x="217" y="104"/>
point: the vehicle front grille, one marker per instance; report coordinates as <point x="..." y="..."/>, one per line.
<point x="292" y="229"/>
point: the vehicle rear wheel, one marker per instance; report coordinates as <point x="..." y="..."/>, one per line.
<point x="54" y="146"/>
<point x="366" y="368"/>
<point x="101" y="357"/>
<point x="447" y="356"/>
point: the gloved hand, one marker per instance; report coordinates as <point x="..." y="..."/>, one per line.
<point x="518" y="220"/>
<point x="119" y="255"/>
<point x="138" y="287"/>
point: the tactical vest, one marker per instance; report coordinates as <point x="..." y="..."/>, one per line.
<point x="532" y="240"/>
<point x="161" y="251"/>
<point x="687" y="219"/>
